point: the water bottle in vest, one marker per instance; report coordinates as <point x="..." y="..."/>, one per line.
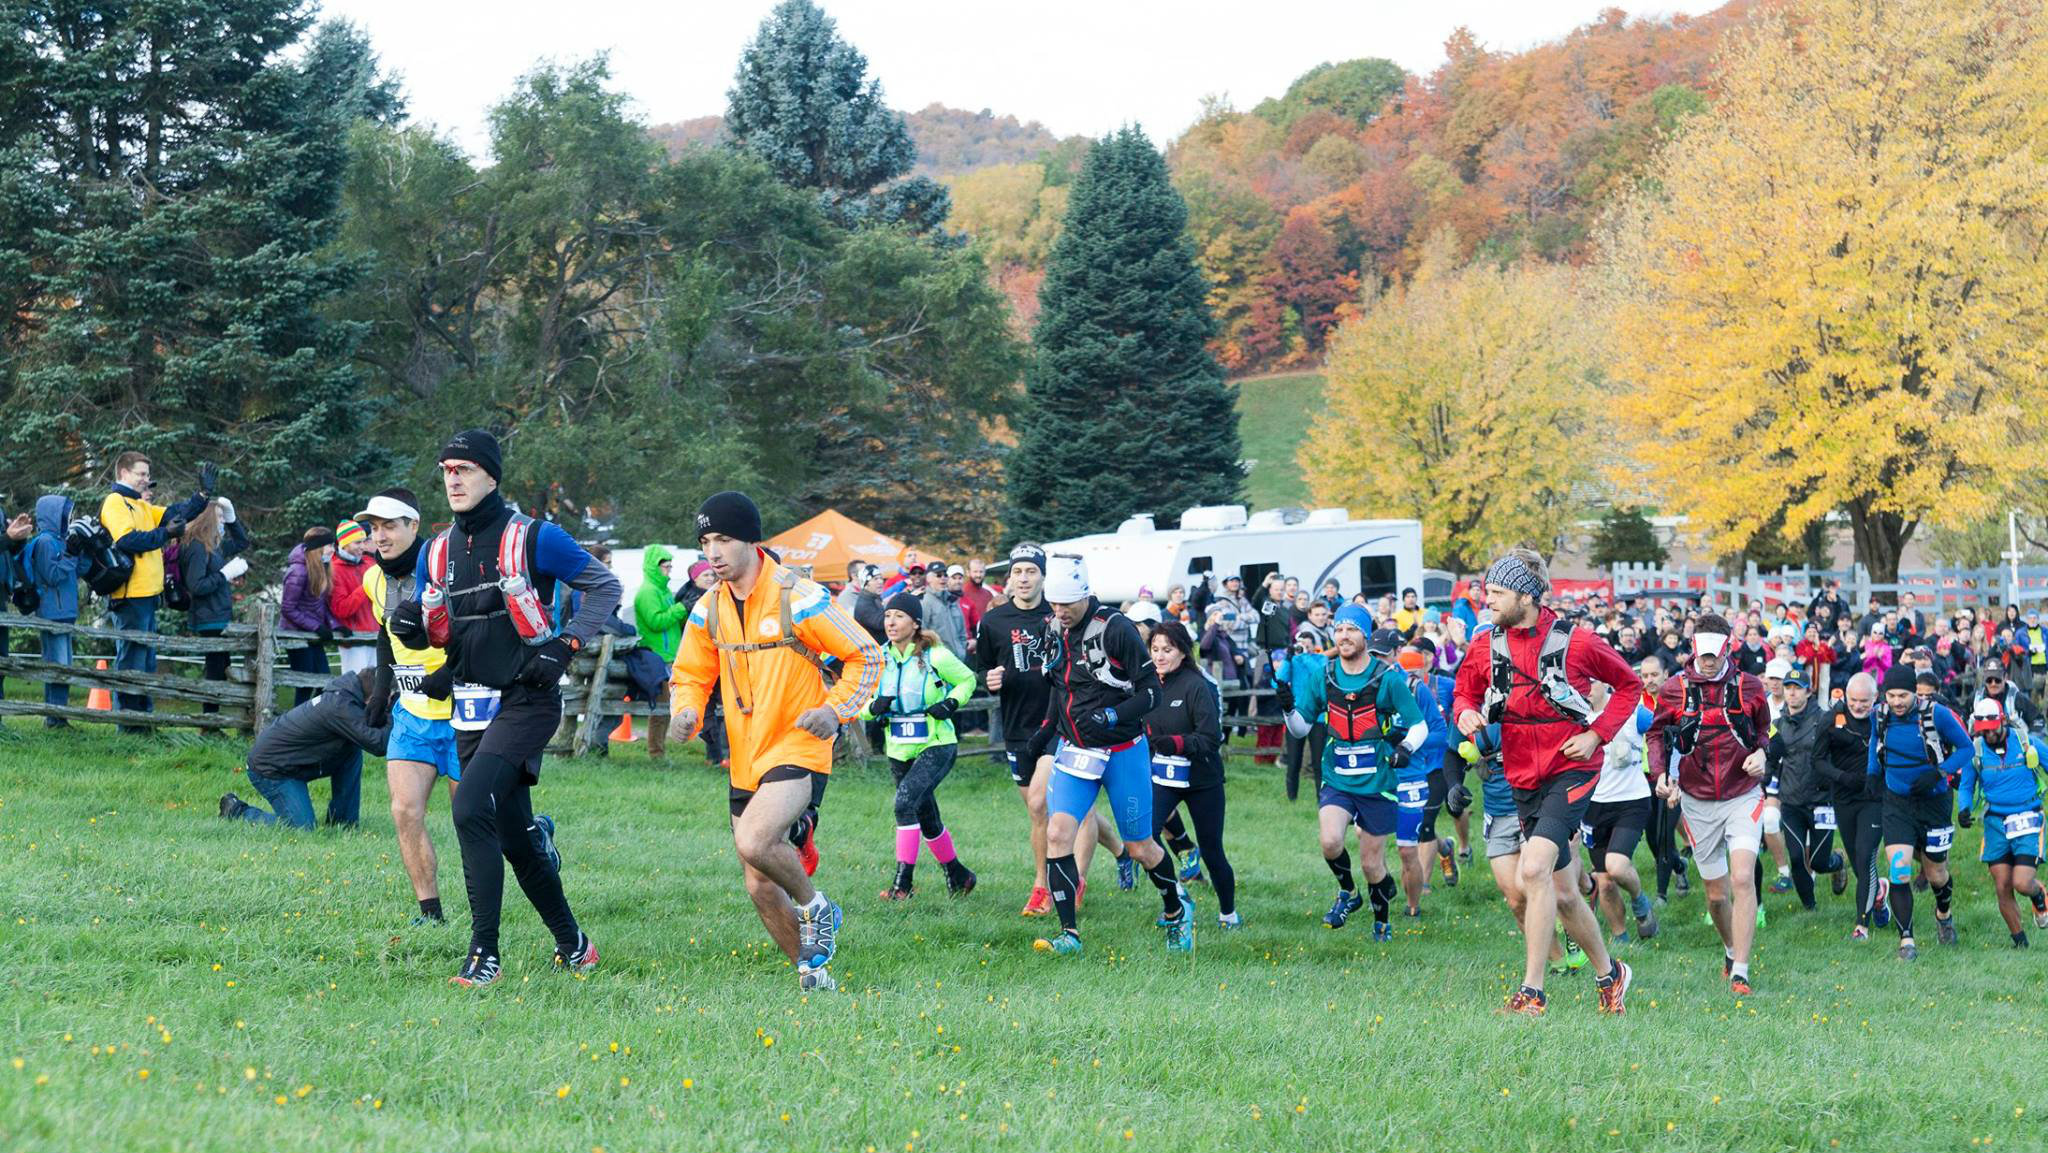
<point x="523" y="605"/>
<point x="435" y="603"/>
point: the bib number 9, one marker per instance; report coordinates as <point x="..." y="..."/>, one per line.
<point x="1354" y="760"/>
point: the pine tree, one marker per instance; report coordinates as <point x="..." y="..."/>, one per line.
<point x="1125" y="410"/>
<point x="189" y="158"/>
<point x="1625" y="536"/>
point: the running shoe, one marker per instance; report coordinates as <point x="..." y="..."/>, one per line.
<point x="1859" y="933"/>
<point x="1447" y="860"/>
<point x="1727" y="966"/>
<point x="1782" y="885"/>
<point x="1465" y="854"/>
<point x="231" y="806"/>
<point x="1180" y="935"/>
<point x="1739" y="986"/>
<point x="1065" y="944"/>
<point x="422" y="921"/>
<point x="1881" y="915"/>
<point x="1680" y="880"/>
<point x="892" y="893"/>
<point x="478" y="969"/>
<point x="1945" y="930"/>
<point x="1040" y="903"/>
<point x="1573" y="960"/>
<point x="580" y="962"/>
<point x="542" y="830"/>
<point x="817" y="935"/>
<point x="1622" y="938"/>
<point x="815" y="981"/>
<point x="1614" y="994"/>
<point x="1230" y="920"/>
<point x="1382" y="932"/>
<point x="1126" y="872"/>
<point x="1840" y="881"/>
<point x="1908" y="951"/>
<point x="960" y="881"/>
<point x="2041" y="918"/>
<point x="1646" y="917"/>
<point x="1341" y="910"/>
<point x="1191" y="866"/>
<point x="1524" y="1004"/>
<point x="1762" y="918"/>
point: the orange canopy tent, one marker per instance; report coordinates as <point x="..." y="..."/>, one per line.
<point x="829" y="542"/>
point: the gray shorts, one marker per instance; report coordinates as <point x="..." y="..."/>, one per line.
<point x="1503" y="835"/>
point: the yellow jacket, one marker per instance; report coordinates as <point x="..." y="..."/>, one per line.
<point x="766" y="689"/>
<point x="408" y="665"/>
<point x="125" y="514"/>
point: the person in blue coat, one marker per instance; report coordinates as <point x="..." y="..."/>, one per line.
<point x="52" y="561"/>
<point x="1916" y="748"/>
<point x="2002" y="772"/>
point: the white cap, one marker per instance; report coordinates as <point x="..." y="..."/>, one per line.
<point x="1066" y="579"/>
<point x="1145" y="612"/>
<point x="955" y="570"/>
<point x="387" y="508"/>
<point x="1709" y="644"/>
<point x="1987" y="709"/>
<point x="1778" y="669"/>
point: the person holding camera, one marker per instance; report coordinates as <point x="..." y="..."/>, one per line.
<point x="140" y="530"/>
<point x="53" y="563"/>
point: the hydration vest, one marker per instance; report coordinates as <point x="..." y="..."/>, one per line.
<point x="521" y="602"/>
<point x="1724" y="714"/>
<point x="1550" y="679"/>
<point x="1352" y="715"/>
<point x="1094" y="652"/>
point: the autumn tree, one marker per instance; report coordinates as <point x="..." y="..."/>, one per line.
<point x="1829" y="295"/>
<point x="1462" y="398"/>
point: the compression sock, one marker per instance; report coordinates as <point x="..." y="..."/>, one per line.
<point x="1382" y="893"/>
<point x="1165" y="880"/>
<point x="430" y="908"/>
<point x="942" y="847"/>
<point x="1739" y="971"/>
<point x="2039" y="897"/>
<point x="1943" y="894"/>
<point x="1340" y="865"/>
<point x="1901" y="901"/>
<point x="1064" y="877"/>
<point x="906" y="844"/>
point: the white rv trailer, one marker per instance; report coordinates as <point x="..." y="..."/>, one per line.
<point x="1369" y="556"/>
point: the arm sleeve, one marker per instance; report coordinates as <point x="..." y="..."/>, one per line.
<point x="696" y="666"/>
<point x="555" y="554"/>
<point x="831" y="631"/>
<point x="1205" y="735"/>
<point x="1124" y="646"/>
<point x="1473" y="673"/>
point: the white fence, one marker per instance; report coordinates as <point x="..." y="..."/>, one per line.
<point x="1936" y="590"/>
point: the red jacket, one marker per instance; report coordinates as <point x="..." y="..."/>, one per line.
<point x="345" y="596"/>
<point x="1713" y="770"/>
<point x="1533" y="733"/>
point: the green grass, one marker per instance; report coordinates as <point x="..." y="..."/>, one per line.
<point x="239" y="966"/>
<point x="1273" y="415"/>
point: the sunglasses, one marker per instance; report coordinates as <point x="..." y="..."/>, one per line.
<point x="1994" y="680"/>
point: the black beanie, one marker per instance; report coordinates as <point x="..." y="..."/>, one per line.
<point x="479" y="448"/>
<point x="1900" y="677"/>
<point x="729" y="514"/>
<point x="908" y="605"/>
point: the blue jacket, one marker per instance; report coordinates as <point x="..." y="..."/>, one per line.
<point x="1430" y="757"/>
<point x="1897" y="752"/>
<point x="2003" y="777"/>
<point x="54" y="570"/>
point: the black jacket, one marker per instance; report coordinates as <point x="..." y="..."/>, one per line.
<point x="213" y="595"/>
<point x="1077" y="692"/>
<point x="1017" y="640"/>
<point x="321" y="737"/>
<point x="1790" y="757"/>
<point x="1841" y="755"/>
<point x="1187" y="724"/>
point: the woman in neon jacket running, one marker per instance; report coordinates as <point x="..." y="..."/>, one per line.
<point x="923" y="685"/>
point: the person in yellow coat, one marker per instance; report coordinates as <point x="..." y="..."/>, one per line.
<point x="140" y="530"/>
<point x="761" y="635"/>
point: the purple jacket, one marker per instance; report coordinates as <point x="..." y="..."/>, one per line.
<point x="300" y="609"/>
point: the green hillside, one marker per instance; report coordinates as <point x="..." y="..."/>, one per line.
<point x="1273" y="416"/>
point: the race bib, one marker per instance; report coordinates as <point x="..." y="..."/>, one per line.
<point x="1079" y="761"/>
<point x="475" y="707"/>
<point x="1412" y="794"/>
<point x="1354" y="760"/>
<point x="1938" y="839"/>
<point x="917" y="727"/>
<point x="1824" y="817"/>
<point x="2023" y="824"/>
<point x="407" y="680"/>
<point x="1171" y="771"/>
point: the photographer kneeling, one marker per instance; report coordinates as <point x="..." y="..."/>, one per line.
<point x="325" y="737"/>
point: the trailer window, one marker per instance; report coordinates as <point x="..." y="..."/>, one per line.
<point x="1200" y="564"/>
<point x="1255" y="575"/>
<point x="1376" y="576"/>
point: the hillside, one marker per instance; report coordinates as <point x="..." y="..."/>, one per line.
<point x="1273" y="415"/>
<point x="950" y="141"/>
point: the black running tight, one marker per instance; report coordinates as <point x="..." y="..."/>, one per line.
<point x="917" y="788"/>
<point x="1205" y="810"/>
<point x="493" y="813"/>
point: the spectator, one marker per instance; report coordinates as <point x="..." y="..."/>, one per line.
<point x="941" y="605"/>
<point x="305" y="606"/>
<point x="974" y="597"/>
<point x="1877" y="656"/>
<point x="862" y="598"/>
<point x="1409" y="615"/>
<point x="2035" y="639"/>
<point x="52" y="561"/>
<point x="1241" y="616"/>
<point x="210" y="562"/>
<point x="326" y="736"/>
<point x="1333" y="595"/>
<point x="1754" y="656"/>
<point x="13" y="570"/>
<point x="659" y="618"/>
<point x="345" y="597"/>
<point x="140" y="530"/>
<point x="2017" y="706"/>
<point x="1177" y="607"/>
<point x="703" y="580"/>
<point x="1201" y="597"/>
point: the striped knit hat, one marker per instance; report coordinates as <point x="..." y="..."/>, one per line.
<point x="350" y="535"/>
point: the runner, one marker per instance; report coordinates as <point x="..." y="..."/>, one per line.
<point x="1550" y="751"/>
<point x="1500" y="830"/>
<point x="1841" y="756"/>
<point x="422" y="748"/>
<point x="922" y="685"/>
<point x="1375" y="726"/>
<point x="1915" y="746"/>
<point x="2002" y="770"/>
<point x="1716" y="719"/>
<point x="1447" y="779"/>
<point x="1418" y="782"/>
<point x="1010" y="655"/>
<point x="1801" y="787"/>
<point x="760" y="636"/>
<point x="1186" y="736"/>
<point x="1663" y="831"/>
<point x="1615" y="820"/>
<point x="485" y="586"/>
<point x="1103" y="686"/>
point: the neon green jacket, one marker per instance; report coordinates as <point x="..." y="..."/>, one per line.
<point x="913" y="682"/>
<point x="655" y="613"/>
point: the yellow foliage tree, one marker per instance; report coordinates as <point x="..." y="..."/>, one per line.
<point x="1830" y="294"/>
<point x="1461" y="398"/>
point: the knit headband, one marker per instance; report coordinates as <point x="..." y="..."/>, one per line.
<point x="1511" y="572"/>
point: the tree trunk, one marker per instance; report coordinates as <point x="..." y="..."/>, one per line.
<point x="1881" y="539"/>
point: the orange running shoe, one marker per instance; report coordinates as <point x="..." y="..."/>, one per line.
<point x="1615" y="992"/>
<point x="1040" y="904"/>
<point x="1524" y="1004"/>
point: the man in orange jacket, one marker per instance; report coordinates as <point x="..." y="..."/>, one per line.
<point x="759" y="636"/>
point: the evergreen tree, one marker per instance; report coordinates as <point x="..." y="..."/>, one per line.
<point x="802" y="100"/>
<point x="187" y="161"/>
<point x="1125" y="410"/>
<point x="1625" y="536"/>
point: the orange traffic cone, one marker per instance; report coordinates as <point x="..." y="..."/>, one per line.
<point x="98" y="698"/>
<point x="625" y="730"/>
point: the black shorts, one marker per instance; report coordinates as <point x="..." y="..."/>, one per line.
<point x="526" y="721"/>
<point x="1614" y="827"/>
<point x="737" y="798"/>
<point x="1555" y="809"/>
<point x="1020" y="773"/>
<point x="1926" y="823"/>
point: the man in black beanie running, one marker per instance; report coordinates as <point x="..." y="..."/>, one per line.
<point x="485" y="587"/>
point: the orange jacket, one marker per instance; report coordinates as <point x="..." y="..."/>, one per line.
<point x="765" y="690"/>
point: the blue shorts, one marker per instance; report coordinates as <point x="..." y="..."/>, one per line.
<point x="1127" y="779"/>
<point x="1411" y="798"/>
<point x="428" y="742"/>
<point x="2002" y="849"/>
<point x="1375" y="815"/>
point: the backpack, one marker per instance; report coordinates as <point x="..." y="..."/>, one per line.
<point x="1732" y="716"/>
<point x="21" y="582"/>
<point x="1551" y="678"/>
<point x="104" y="567"/>
<point x="1359" y="721"/>
<point x="176" y="595"/>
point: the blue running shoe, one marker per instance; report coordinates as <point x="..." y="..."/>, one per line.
<point x="1646" y="917"/>
<point x="1340" y="912"/>
<point x="1180" y="935"/>
<point x="1191" y="866"/>
<point x="1381" y="931"/>
<point x="542" y="830"/>
<point x="817" y="935"/>
<point x="1126" y="873"/>
<point x="1064" y="944"/>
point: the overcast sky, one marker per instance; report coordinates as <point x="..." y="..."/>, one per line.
<point x="1077" y="67"/>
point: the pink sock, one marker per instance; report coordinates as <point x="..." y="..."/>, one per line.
<point x="906" y="845"/>
<point x="942" y="847"/>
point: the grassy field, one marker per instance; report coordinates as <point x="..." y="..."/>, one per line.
<point x="176" y="982"/>
<point x="1273" y="416"/>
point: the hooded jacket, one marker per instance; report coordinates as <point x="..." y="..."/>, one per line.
<point x="1712" y="771"/>
<point x="658" y="616"/>
<point x="53" y="568"/>
<point x="321" y="737"/>
<point x="299" y="607"/>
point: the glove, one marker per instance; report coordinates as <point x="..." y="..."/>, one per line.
<point x="408" y="623"/>
<point x="946" y="707"/>
<point x="209" y="478"/>
<point x="377" y="707"/>
<point x="342" y="631"/>
<point x="881" y="706"/>
<point x="1039" y="744"/>
<point x="1459" y="801"/>
<point x="1173" y="745"/>
<point x="174" y="528"/>
<point x="1284" y="694"/>
<point x="549" y="663"/>
<point x="1926" y="784"/>
<point x="227" y="510"/>
<point x="235" y="568"/>
<point x="439" y="685"/>
<point x="1097" y="728"/>
<point x="1399" y="757"/>
<point x="1965" y="818"/>
<point x="324" y="633"/>
<point x="81" y="528"/>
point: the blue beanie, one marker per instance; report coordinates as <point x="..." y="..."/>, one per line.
<point x="1353" y="616"/>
